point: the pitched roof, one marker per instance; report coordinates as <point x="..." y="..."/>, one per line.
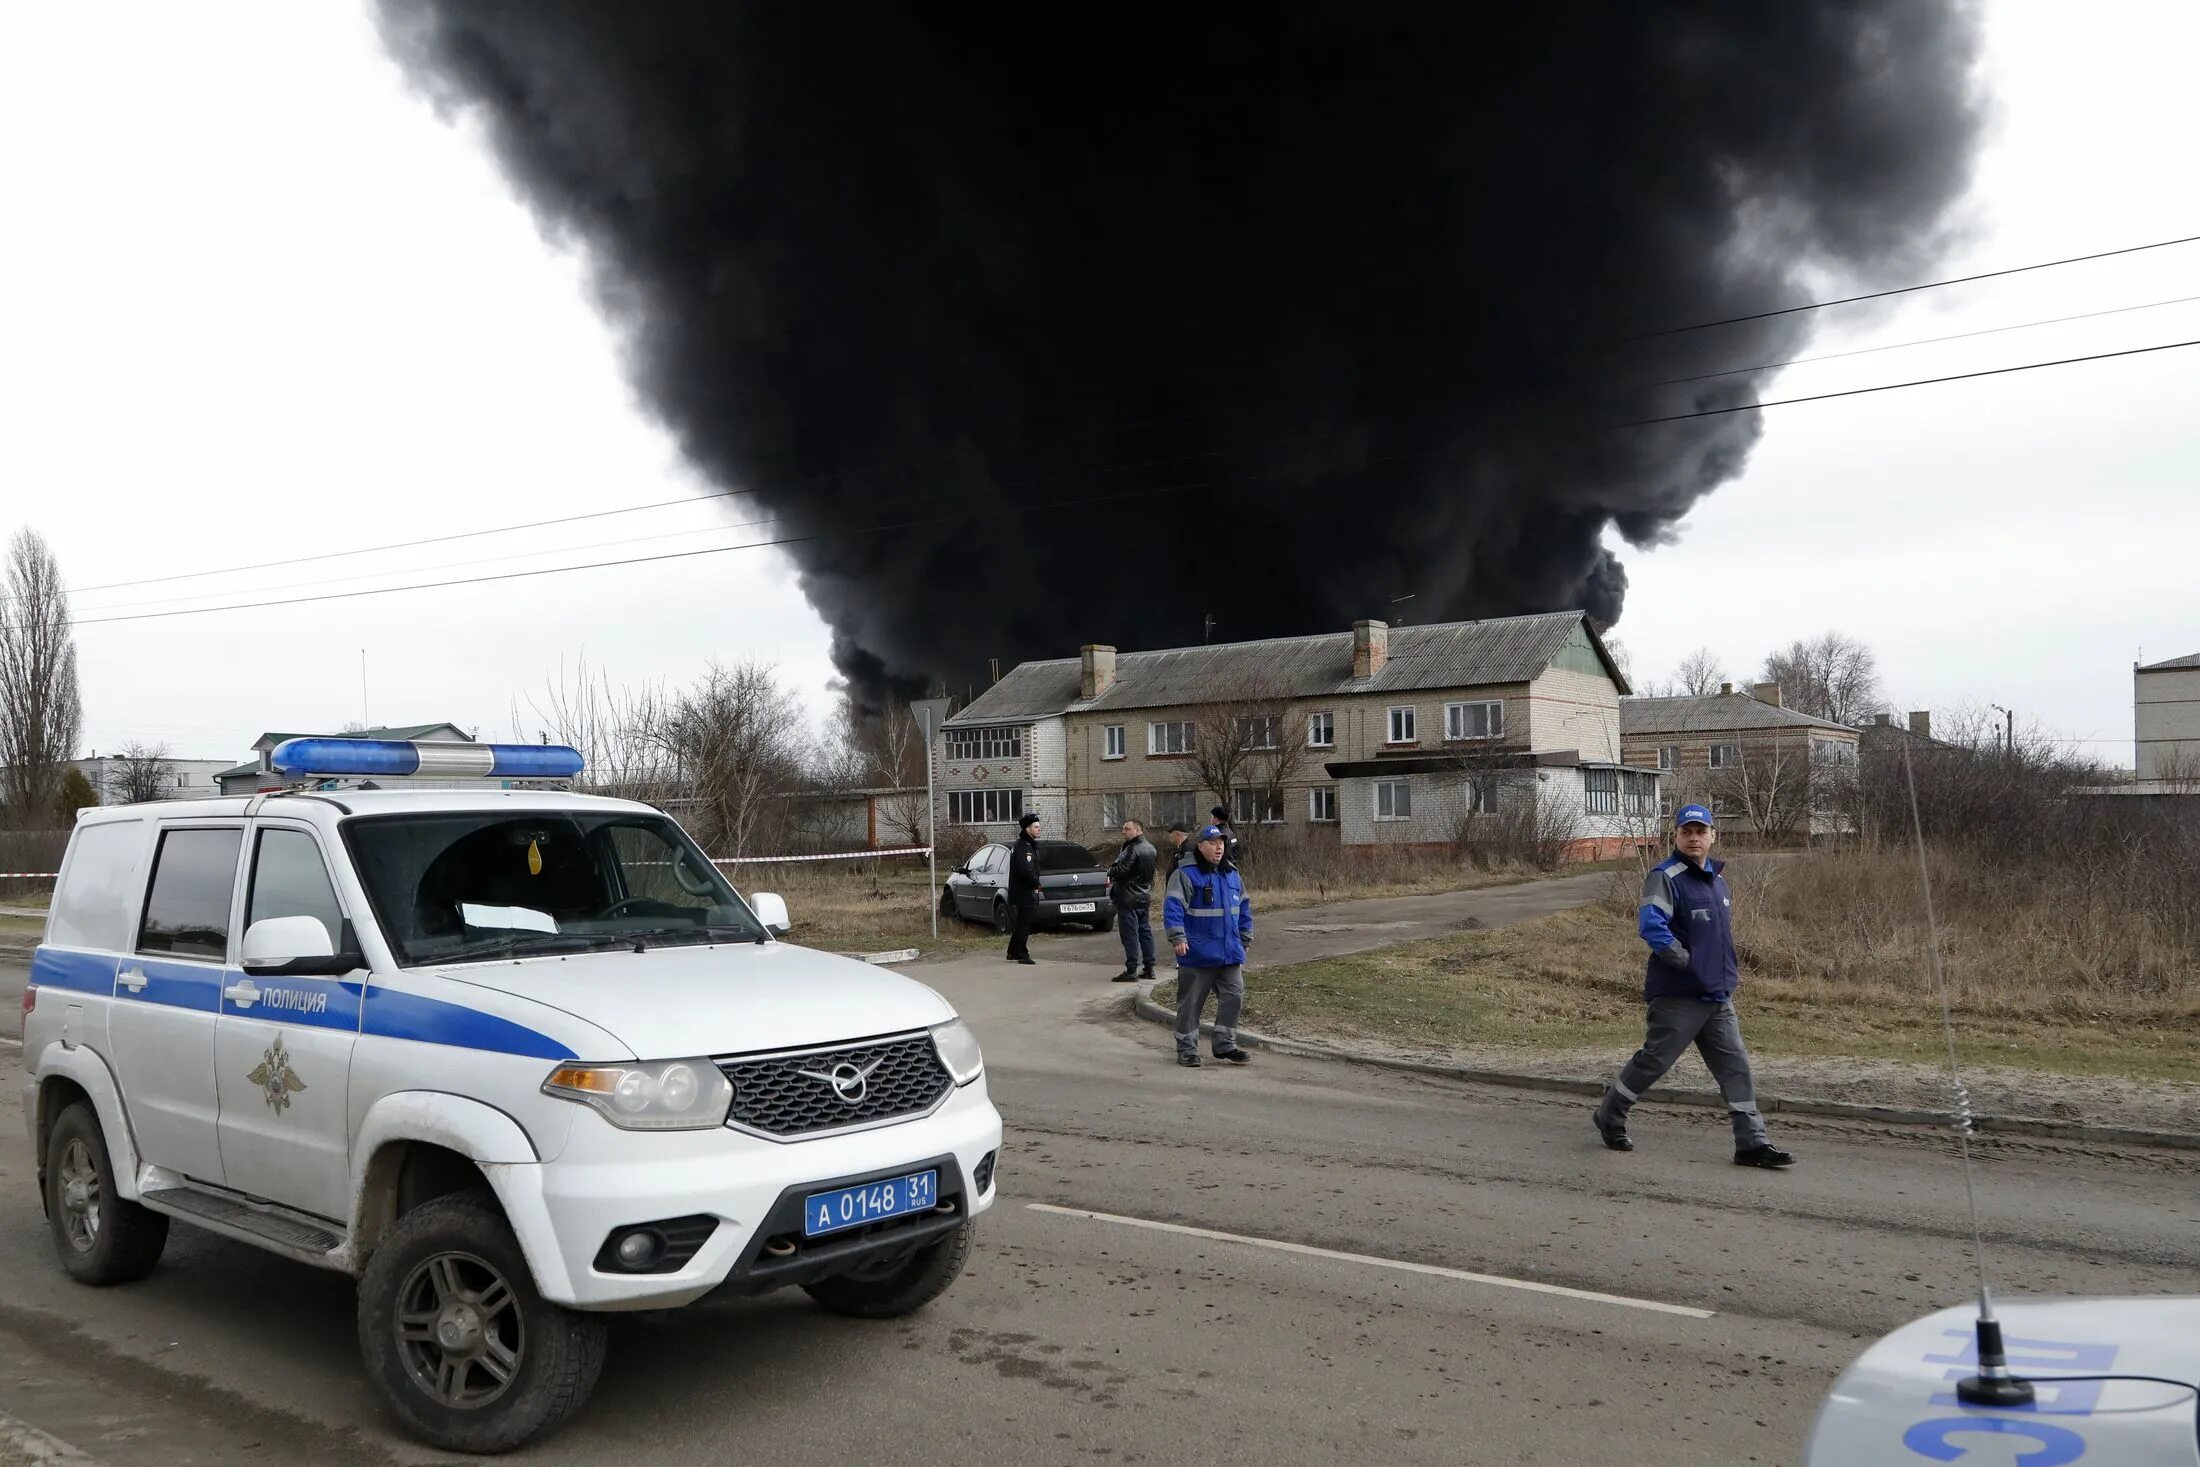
<point x="1715" y="713"/>
<point x="2174" y="664"/>
<point x="1466" y="654"/>
<point x="401" y="733"/>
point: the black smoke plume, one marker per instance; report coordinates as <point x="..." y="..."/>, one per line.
<point x="1124" y="316"/>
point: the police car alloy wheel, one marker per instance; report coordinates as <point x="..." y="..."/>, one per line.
<point x="101" y="1236"/>
<point x="896" y="1286"/>
<point x="468" y="1354"/>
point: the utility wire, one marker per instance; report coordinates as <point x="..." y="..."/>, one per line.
<point x="1750" y="407"/>
<point x="1228" y="480"/>
<point x="1875" y="295"/>
<point x="1865" y="351"/>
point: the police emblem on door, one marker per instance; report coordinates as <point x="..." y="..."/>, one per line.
<point x="276" y="1079"/>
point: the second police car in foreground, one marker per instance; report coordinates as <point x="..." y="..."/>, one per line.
<point x="511" y="1058"/>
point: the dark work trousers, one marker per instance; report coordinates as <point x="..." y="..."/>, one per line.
<point x="1135" y="926"/>
<point x="1019" y="936"/>
<point x="1192" y="987"/>
<point x="1674" y="1024"/>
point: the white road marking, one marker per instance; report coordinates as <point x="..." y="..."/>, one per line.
<point x="1402" y="1265"/>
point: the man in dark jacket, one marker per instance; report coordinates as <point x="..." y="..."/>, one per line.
<point x="1130" y="887"/>
<point x="1233" y="850"/>
<point x="1687" y="918"/>
<point x="1180" y="852"/>
<point x="1210" y="924"/>
<point x="1023" y="889"/>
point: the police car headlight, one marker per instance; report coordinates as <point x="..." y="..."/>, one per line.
<point x="669" y="1095"/>
<point x="958" y="1050"/>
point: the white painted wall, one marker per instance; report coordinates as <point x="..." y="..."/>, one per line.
<point x="2167" y="715"/>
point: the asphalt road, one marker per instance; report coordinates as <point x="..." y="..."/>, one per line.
<point x="1082" y="1339"/>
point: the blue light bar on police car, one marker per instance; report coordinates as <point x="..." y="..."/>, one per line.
<point x="397" y="758"/>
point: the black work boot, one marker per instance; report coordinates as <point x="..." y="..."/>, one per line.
<point x="1764" y="1156"/>
<point x="1613" y="1132"/>
<point x="1128" y="975"/>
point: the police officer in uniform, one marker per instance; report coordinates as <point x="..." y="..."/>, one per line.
<point x="1023" y="889"/>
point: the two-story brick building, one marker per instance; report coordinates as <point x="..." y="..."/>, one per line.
<point x="1379" y="735"/>
<point x="1763" y="766"/>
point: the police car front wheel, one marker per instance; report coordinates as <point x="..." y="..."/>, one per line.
<point x="467" y="1353"/>
<point x="101" y="1236"/>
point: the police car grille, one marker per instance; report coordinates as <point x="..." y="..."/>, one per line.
<point x="773" y="1094"/>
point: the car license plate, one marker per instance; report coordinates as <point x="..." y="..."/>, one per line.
<point x="852" y="1207"/>
<point x="1068" y="907"/>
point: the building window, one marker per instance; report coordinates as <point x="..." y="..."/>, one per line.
<point x="1638" y="792"/>
<point x="1257" y="807"/>
<point x="1262" y="732"/>
<point x="1111" y="811"/>
<point x="985" y="743"/>
<point x="1600" y="791"/>
<point x="1404" y="726"/>
<point x="1726" y="756"/>
<point x="1478" y="794"/>
<point x="1112" y="741"/>
<point x="1176" y="807"/>
<point x="1474" y="720"/>
<point x="1394" y="799"/>
<point x="1169" y="738"/>
<point x="1321" y="731"/>
<point x="1321" y="803"/>
<point x="183" y="781"/>
<point x="1669" y="756"/>
<point x="1833" y="751"/>
<point x="984" y="807"/>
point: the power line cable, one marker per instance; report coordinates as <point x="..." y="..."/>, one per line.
<point x="1750" y="407"/>
<point x="1876" y="295"/>
<point x="1228" y="480"/>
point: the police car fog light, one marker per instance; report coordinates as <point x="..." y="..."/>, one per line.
<point x="664" y="1095"/>
<point x="638" y="1249"/>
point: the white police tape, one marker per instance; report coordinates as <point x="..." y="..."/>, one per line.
<point x="832" y="856"/>
<point x="715" y="861"/>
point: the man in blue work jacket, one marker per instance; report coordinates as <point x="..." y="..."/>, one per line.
<point x="1687" y="918"/>
<point x="1209" y="923"/>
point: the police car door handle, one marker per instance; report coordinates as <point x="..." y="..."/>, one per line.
<point x="242" y="993"/>
<point x="133" y="979"/>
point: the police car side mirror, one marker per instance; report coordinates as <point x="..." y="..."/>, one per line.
<point x="771" y="910"/>
<point x="295" y="947"/>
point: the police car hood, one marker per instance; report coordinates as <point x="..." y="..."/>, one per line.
<point x="1897" y="1403"/>
<point x="675" y="1002"/>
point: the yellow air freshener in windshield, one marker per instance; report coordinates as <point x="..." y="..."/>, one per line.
<point x="534" y="859"/>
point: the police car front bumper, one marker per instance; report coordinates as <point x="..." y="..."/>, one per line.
<point x="607" y="1180"/>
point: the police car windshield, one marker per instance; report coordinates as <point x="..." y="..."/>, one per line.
<point x="454" y="886"/>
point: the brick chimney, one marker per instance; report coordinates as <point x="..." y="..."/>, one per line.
<point x="1370" y="647"/>
<point x="1921" y="724"/>
<point x="1883" y="719"/>
<point x="1767" y="693"/>
<point x="1098" y="673"/>
<point x="1726" y="690"/>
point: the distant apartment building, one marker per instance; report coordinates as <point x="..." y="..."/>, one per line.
<point x="2166" y="719"/>
<point x="1761" y="766"/>
<point x="178" y="779"/>
<point x="1374" y="736"/>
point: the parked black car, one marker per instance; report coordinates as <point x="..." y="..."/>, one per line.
<point x="1073" y="887"/>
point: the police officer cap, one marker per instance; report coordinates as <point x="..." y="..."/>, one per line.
<point x="1027" y="822"/>
<point x="1219" y="811"/>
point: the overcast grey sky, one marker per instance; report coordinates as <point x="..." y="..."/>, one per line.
<point x="260" y="302"/>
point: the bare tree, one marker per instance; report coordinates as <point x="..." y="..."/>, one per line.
<point x="734" y="741"/>
<point x="1248" y="739"/>
<point x="140" y="772"/>
<point x="1832" y="676"/>
<point x="1700" y="673"/>
<point x="41" y="711"/>
<point x="613" y="730"/>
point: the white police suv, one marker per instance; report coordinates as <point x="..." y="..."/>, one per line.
<point x="510" y="1057"/>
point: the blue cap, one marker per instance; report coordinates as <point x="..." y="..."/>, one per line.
<point x="1693" y="815"/>
<point x="1213" y="832"/>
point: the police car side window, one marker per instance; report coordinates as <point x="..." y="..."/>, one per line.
<point x="289" y="879"/>
<point x="187" y="905"/>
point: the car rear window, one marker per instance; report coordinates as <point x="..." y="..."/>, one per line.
<point x="1065" y="855"/>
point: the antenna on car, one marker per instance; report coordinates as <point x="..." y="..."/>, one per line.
<point x="1994" y="1385"/>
